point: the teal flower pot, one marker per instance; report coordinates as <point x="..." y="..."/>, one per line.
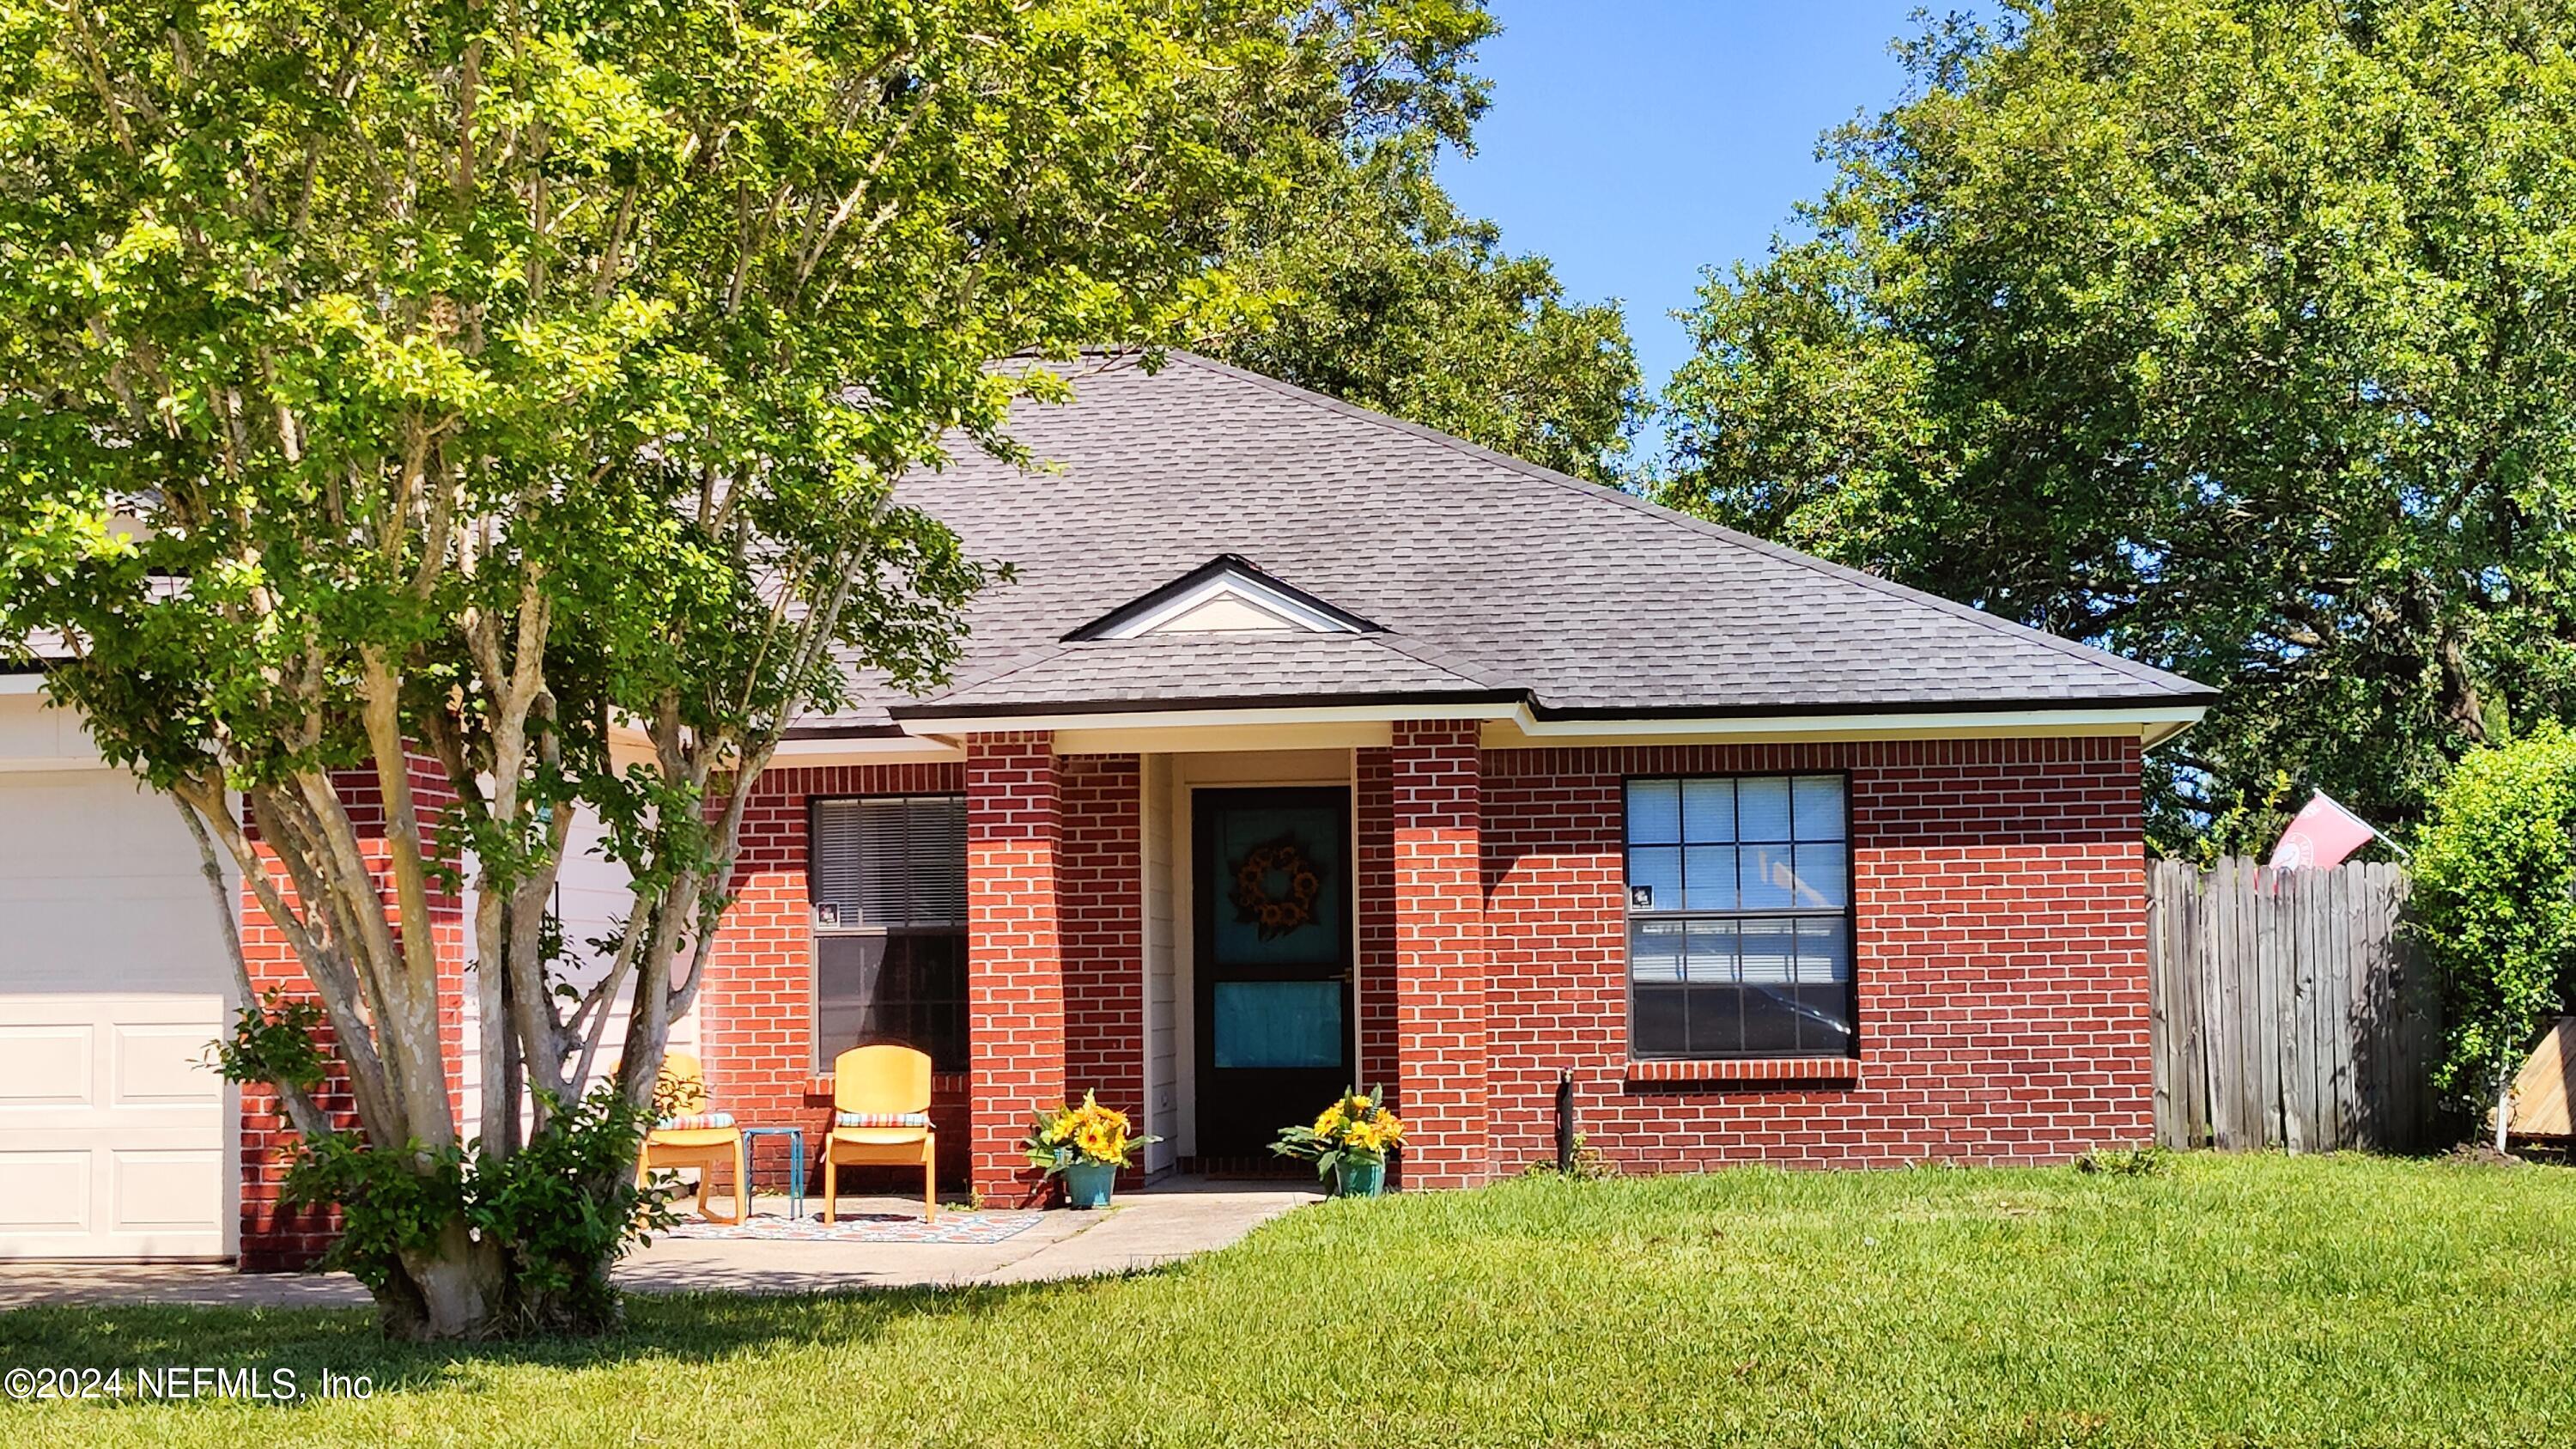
<point x="1087" y="1184"/>
<point x="1355" y="1178"/>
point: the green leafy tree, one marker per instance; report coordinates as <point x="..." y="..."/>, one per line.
<point x="2494" y="899"/>
<point x="2236" y="336"/>
<point x="1382" y="293"/>
<point x="521" y="387"/>
<point x="1368" y="284"/>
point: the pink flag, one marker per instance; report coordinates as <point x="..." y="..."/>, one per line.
<point x="2322" y="835"/>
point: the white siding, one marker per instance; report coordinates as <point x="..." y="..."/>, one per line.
<point x="1162" y="980"/>
<point x="591" y="898"/>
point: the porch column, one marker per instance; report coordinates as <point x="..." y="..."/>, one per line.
<point x="1101" y="911"/>
<point x="1439" y="951"/>
<point x="1014" y="950"/>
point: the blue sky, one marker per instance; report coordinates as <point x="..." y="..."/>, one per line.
<point x="1636" y="141"/>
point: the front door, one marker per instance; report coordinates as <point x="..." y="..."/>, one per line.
<point x="1273" y="963"/>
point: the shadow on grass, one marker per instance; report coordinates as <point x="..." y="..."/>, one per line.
<point x="660" y="1327"/>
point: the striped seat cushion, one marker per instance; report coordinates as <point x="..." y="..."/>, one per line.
<point x="880" y="1119"/>
<point x="694" y="1120"/>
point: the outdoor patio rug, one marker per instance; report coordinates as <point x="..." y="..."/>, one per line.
<point x="952" y="1227"/>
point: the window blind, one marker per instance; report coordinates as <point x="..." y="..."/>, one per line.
<point x="891" y="862"/>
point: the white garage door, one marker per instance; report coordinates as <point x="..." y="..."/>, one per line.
<point x="115" y="1141"/>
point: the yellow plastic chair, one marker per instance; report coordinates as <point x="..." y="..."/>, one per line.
<point x="683" y="1093"/>
<point x="881" y="1118"/>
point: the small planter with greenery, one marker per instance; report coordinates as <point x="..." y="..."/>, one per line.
<point x="1350" y="1143"/>
<point x="1086" y="1146"/>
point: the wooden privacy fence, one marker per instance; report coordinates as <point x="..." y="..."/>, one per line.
<point x="2290" y="1010"/>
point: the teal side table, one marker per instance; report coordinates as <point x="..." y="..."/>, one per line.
<point x="795" y="1155"/>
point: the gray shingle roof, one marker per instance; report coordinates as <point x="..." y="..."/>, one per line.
<point x="1212" y="669"/>
<point x="1481" y="567"/>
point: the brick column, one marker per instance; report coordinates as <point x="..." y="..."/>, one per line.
<point x="273" y="1238"/>
<point x="1101" y="882"/>
<point x="1439" y="952"/>
<point x="755" y="1028"/>
<point x="1014" y="950"/>
<point x="1373" y="872"/>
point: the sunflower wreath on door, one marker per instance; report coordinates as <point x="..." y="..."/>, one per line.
<point x="1275" y="887"/>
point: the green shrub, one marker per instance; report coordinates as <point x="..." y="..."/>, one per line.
<point x="557" y="1212"/>
<point x="2494" y="902"/>
<point x="1590" y="1163"/>
<point x="275" y="1039"/>
<point x="2145" y="1159"/>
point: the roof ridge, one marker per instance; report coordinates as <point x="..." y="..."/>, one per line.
<point x="1420" y="651"/>
<point x="2144" y="673"/>
<point x="1422" y="679"/>
<point x="1446" y="659"/>
<point x="999" y="669"/>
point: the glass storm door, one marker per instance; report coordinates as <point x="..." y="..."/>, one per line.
<point x="1273" y="961"/>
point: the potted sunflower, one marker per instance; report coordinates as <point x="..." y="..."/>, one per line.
<point x="1350" y="1143"/>
<point x="1086" y="1145"/>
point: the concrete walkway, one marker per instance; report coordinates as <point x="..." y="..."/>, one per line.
<point x="1172" y="1220"/>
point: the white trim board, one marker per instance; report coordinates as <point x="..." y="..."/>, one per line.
<point x="864" y="750"/>
<point x="2152" y="723"/>
<point x="1260" y="597"/>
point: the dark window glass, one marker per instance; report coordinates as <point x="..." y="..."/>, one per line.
<point x="1739" y="917"/>
<point x="1660" y="1026"/>
<point x="888" y="881"/>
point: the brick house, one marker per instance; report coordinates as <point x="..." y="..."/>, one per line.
<point x="1778" y="860"/>
<point x="1307" y="747"/>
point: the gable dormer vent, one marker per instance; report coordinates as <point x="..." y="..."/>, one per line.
<point x="1227" y="595"/>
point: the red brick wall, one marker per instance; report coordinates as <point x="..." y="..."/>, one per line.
<point x="1441" y="993"/>
<point x="1101" y="878"/>
<point x="2000" y="922"/>
<point x="1014" y="972"/>
<point x="1999" y="927"/>
<point x="274" y="1238"/>
<point x="756" y="1010"/>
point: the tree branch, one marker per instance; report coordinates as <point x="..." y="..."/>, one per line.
<point x="300" y="1108"/>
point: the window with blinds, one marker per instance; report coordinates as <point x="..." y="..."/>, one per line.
<point x="887" y="875"/>
<point x="891" y="861"/>
<point x="1739" y="917"/>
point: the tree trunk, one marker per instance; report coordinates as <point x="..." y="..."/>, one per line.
<point x="2504" y="1101"/>
<point x="455" y="1290"/>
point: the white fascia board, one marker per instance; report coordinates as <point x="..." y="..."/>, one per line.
<point x="1338" y="739"/>
<point x="1186" y="718"/>
<point x="2150" y="736"/>
<point x="1251" y="590"/>
<point x="2151" y="723"/>
<point x="865" y="749"/>
<point x="27" y="683"/>
<point x="2121" y="719"/>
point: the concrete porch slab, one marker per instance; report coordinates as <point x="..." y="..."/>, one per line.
<point x="1164" y="1223"/>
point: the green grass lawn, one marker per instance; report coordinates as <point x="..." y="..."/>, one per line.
<point x="2259" y="1300"/>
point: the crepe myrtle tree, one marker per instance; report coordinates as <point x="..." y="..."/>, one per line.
<point x="2493" y="894"/>
<point x="509" y="396"/>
